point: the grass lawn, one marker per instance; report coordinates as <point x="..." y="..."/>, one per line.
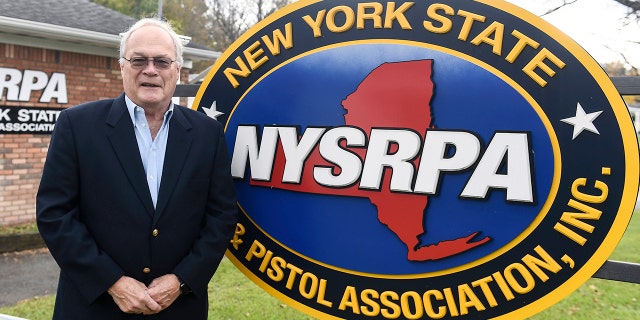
<point x="233" y="296"/>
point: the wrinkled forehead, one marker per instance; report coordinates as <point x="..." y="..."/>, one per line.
<point x="150" y="41"/>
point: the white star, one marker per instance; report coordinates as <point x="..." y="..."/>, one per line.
<point x="212" y="112"/>
<point x="582" y="121"/>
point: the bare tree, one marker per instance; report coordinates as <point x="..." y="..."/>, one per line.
<point x="631" y="4"/>
<point x="266" y="7"/>
<point x="557" y="7"/>
<point x="231" y="18"/>
<point x="227" y="23"/>
<point x="630" y="18"/>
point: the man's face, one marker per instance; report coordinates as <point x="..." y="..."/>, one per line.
<point x="150" y="87"/>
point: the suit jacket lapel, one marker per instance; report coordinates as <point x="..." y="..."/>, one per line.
<point x="123" y="141"/>
<point x="178" y="146"/>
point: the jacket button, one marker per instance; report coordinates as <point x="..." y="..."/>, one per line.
<point x="155" y="232"/>
<point x="146" y="270"/>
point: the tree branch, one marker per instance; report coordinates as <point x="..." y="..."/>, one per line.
<point x="564" y="3"/>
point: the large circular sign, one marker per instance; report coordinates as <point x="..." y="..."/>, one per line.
<point x="421" y="160"/>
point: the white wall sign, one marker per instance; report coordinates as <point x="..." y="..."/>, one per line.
<point x="16" y="85"/>
<point x="28" y="120"/>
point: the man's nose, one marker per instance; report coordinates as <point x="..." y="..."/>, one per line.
<point x="150" y="66"/>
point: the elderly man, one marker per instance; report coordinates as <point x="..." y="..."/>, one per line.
<point x="136" y="201"/>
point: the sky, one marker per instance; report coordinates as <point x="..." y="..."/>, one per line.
<point x="599" y="26"/>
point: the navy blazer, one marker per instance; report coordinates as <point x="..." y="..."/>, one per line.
<point x="95" y="213"/>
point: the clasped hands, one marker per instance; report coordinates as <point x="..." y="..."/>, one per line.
<point x="132" y="296"/>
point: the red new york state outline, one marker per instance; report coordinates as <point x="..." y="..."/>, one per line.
<point x="394" y="95"/>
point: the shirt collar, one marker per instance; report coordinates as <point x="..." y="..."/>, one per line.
<point x="131" y="107"/>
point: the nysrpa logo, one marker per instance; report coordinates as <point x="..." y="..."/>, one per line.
<point x="421" y="160"/>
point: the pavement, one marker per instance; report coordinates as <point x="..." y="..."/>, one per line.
<point x="25" y="275"/>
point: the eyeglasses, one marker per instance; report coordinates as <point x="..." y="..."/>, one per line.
<point x="142" y="62"/>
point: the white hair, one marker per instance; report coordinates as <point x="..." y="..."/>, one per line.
<point x="177" y="42"/>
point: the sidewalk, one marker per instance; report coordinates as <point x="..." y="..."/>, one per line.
<point x="7" y="317"/>
<point x="27" y="274"/>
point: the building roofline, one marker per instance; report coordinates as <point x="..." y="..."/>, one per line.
<point x="23" y="32"/>
<point x="50" y="31"/>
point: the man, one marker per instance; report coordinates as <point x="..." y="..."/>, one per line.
<point x="136" y="201"/>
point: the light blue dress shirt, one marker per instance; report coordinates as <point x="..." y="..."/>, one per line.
<point x="152" y="151"/>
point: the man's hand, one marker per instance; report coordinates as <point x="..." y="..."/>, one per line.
<point x="131" y="297"/>
<point x="165" y="290"/>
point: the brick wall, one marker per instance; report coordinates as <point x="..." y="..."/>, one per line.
<point x="88" y="77"/>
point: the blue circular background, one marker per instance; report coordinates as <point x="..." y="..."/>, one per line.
<point x="344" y="232"/>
